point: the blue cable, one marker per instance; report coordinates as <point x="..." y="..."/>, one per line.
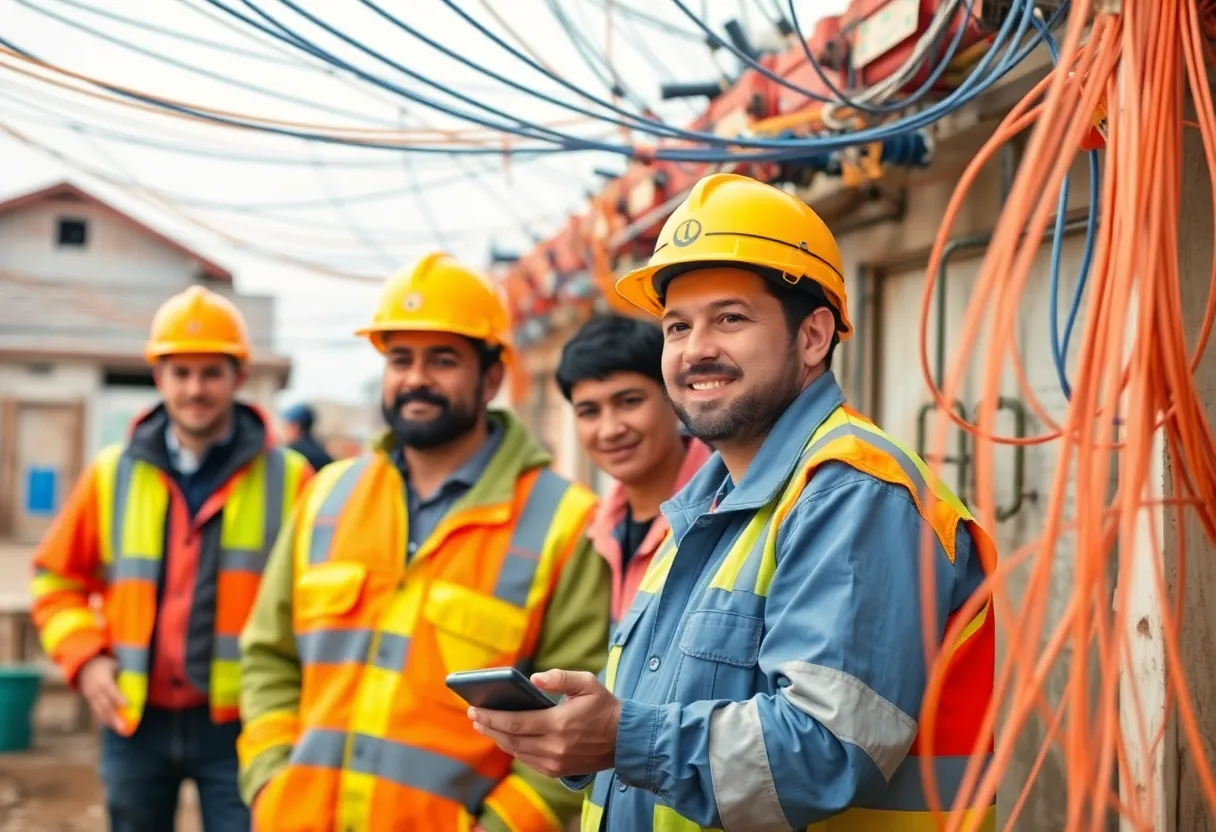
<point x="772" y="76"/>
<point x="1059" y="350"/>
<point x="976" y="83"/>
<point x="633" y="125"/>
<point x="182" y="36"/>
<point x="215" y="76"/>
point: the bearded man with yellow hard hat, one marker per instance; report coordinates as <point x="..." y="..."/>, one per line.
<point x="453" y="546"/>
<point x="770" y="673"/>
<point x="170" y="529"/>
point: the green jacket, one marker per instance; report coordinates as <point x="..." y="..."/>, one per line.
<point x="574" y="634"/>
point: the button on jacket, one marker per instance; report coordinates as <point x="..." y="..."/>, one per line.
<point x="771" y="667"/>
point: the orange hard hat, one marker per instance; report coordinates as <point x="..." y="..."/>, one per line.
<point x="439" y="294"/>
<point x="733" y="220"/>
<point x="198" y="321"/>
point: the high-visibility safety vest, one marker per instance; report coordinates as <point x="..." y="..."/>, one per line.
<point x="379" y="741"/>
<point x="133" y="506"/>
<point x="746" y="573"/>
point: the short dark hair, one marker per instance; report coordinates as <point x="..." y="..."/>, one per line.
<point x="799" y="302"/>
<point x="487" y="356"/>
<point x="608" y="344"/>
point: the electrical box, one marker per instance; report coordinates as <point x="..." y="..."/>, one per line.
<point x="884" y="34"/>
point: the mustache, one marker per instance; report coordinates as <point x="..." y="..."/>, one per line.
<point x="711" y="368"/>
<point x="420" y="396"/>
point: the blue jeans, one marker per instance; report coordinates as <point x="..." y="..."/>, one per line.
<point x="143" y="773"/>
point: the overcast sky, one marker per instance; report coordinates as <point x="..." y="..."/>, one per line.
<point x="256" y="202"/>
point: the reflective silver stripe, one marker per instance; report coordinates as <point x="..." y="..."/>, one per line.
<point x="136" y="569"/>
<point x="397" y="763"/>
<point x="390" y="651"/>
<point x="226" y="648"/>
<point x="333" y="646"/>
<point x="906" y="791"/>
<point x="243" y="560"/>
<point x="352" y="646"/>
<point x="883" y="444"/>
<point x="854" y="713"/>
<point x="276" y="474"/>
<point x="331" y="508"/>
<point x="738" y="766"/>
<point x="134" y="659"/>
<point x="523" y="554"/>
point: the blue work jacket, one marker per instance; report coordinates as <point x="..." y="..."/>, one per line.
<point x="776" y="708"/>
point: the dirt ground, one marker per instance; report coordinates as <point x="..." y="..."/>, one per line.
<point x="54" y="788"/>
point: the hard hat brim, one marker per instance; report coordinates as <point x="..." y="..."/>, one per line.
<point x="638" y="286"/>
<point x="375" y="333"/>
<point x="161" y="349"/>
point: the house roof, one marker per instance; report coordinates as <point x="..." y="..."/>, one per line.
<point x="66" y="191"/>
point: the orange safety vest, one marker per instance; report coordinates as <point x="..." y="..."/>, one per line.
<point x="381" y="743"/>
<point x="133" y="503"/>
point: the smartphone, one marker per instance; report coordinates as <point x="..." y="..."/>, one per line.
<point x="498" y="689"/>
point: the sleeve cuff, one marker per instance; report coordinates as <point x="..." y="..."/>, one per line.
<point x="76" y="650"/>
<point x="635" y="739"/>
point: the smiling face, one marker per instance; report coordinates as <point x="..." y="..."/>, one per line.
<point x="434" y="388"/>
<point x="731" y="363"/>
<point x="198" y="391"/>
<point x="626" y="425"/>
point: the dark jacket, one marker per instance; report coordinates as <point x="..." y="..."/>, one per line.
<point x="311" y="449"/>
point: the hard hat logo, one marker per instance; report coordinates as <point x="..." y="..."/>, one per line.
<point x="193" y="328"/>
<point x="686" y="233"/>
<point x="413" y="302"/>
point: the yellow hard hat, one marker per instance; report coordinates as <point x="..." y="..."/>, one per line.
<point x="733" y="220"/>
<point x="198" y="321"/>
<point x="438" y="294"/>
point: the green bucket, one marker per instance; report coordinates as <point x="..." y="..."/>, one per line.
<point x="18" y="692"/>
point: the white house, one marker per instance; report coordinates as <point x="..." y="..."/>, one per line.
<point x="79" y="282"/>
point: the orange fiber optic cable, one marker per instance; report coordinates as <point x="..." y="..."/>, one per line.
<point x="1134" y="383"/>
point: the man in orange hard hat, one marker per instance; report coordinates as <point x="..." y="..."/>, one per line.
<point x="171" y="530"/>
<point x="771" y="672"/>
<point x="453" y="546"/>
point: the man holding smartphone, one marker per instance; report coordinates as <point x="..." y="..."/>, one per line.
<point x="771" y="670"/>
<point x="452" y="547"/>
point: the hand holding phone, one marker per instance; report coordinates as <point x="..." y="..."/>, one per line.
<point x="498" y="689"/>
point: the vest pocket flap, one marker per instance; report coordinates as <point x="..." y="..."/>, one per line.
<point x="473" y="616"/>
<point x="720" y="636"/>
<point x="329" y="589"/>
<point x="625" y="629"/>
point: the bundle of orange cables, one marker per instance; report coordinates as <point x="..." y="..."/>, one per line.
<point x="1134" y="392"/>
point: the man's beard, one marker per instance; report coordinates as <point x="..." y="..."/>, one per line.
<point x="452" y="422"/>
<point x="749" y="416"/>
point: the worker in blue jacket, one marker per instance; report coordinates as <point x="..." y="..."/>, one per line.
<point x="771" y="670"/>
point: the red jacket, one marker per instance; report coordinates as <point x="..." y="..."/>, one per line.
<point x="602" y="533"/>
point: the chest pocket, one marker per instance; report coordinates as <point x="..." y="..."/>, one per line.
<point x="719" y="653"/>
<point x="329" y="591"/>
<point x="473" y="630"/>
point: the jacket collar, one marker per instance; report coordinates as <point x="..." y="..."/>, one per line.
<point x="770" y="470"/>
<point x="612" y="510"/>
<point x="250" y="436"/>
<point x="517" y="453"/>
